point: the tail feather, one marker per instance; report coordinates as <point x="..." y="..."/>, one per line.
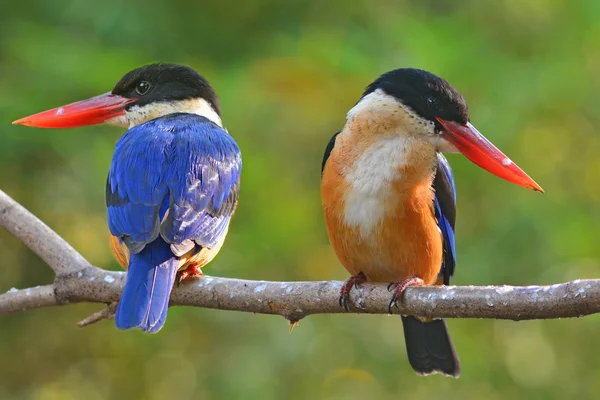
<point x="429" y="347"/>
<point x="150" y="278"/>
<point x="161" y="321"/>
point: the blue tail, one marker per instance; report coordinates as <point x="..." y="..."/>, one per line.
<point x="150" y="279"/>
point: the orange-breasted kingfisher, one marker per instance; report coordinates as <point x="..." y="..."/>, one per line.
<point x="173" y="182"/>
<point x="389" y="197"/>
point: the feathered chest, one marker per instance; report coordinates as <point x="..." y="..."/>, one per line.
<point x="387" y="177"/>
<point x="379" y="208"/>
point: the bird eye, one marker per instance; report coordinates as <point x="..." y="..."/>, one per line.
<point x="432" y="102"/>
<point x="142" y="88"/>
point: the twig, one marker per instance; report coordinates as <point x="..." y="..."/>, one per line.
<point x="78" y="281"/>
<point x="105" y="313"/>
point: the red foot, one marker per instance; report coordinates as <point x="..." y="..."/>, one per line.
<point x="193" y="271"/>
<point x="400" y="287"/>
<point x="345" y="291"/>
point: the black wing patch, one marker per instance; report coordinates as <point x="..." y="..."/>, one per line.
<point x="328" y="150"/>
<point x="445" y="212"/>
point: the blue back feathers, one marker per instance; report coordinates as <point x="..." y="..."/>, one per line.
<point x="182" y="163"/>
<point x="173" y="182"/>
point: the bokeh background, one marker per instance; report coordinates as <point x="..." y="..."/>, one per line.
<point x="286" y="73"/>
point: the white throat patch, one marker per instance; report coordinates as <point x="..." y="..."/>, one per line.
<point x="137" y="115"/>
<point x="371" y="183"/>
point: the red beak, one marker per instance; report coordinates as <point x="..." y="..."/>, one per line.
<point x="482" y="152"/>
<point x="87" y="112"/>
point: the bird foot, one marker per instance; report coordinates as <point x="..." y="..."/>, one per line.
<point x="345" y="291"/>
<point x="399" y="288"/>
<point x="193" y="271"/>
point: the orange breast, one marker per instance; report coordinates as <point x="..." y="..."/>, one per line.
<point x="404" y="242"/>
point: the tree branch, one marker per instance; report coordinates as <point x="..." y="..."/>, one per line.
<point x="16" y="300"/>
<point x="36" y="235"/>
<point x="78" y="281"/>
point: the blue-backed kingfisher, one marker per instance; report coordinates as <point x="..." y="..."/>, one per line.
<point x="173" y="182"/>
<point x="389" y="197"/>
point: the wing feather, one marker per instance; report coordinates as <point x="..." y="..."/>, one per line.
<point x="177" y="176"/>
<point x="445" y="212"/>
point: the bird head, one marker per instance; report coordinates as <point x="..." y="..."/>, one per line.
<point x="143" y="94"/>
<point x="437" y="112"/>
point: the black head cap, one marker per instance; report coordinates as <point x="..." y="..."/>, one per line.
<point x="427" y="94"/>
<point x="165" y="82"/>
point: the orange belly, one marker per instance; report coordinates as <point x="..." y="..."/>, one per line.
<point x="404" y="246"/>
<point x="406" y="241"/>
<point x="200" y="259"/>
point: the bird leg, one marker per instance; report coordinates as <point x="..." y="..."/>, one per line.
<point x="193" y="271"/>
<point x="399" y="288"/>
<point x="345" y="291"/>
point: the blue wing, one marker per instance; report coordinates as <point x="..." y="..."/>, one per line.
<point x="445" y="212"/>
<point x="176" y="176"/>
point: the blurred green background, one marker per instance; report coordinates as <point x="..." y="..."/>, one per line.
<point x="286" y="73"/>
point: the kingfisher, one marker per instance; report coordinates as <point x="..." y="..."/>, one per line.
<point x="172" y="186"/>
<point x="389" y="197"/>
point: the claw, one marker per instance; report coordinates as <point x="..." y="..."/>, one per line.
<point x="400" y="288"/>
<point x="393" y="303"/>
<point x="345" y="291"/>
<point x="179" y="278"/>
<point x="193" y="271"/>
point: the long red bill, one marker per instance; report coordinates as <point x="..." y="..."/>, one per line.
<point x="473" y="145"/>
<point x="86" y="112"/>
